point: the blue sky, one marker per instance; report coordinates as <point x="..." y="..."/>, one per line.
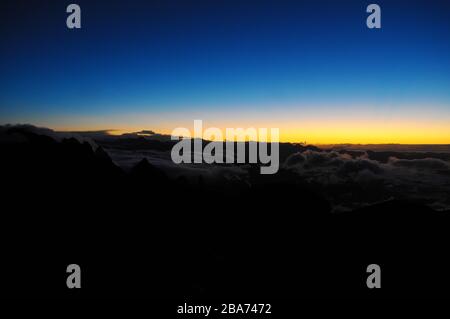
<point x="251" y="59"/>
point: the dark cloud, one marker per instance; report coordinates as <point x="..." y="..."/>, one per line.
<point x="349" y="166"/>
<point x="350" y="181"/>
<point x="161" y="159"/>
<point x="420" y="164"/>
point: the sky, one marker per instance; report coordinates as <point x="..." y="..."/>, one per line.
<point x="310" y="68"/>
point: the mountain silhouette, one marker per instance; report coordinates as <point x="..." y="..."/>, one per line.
<point x="266" y="236"/>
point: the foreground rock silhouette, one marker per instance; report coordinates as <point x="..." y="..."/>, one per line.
<point x="140" y="233"/>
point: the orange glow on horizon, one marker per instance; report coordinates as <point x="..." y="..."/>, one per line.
<point x="327" y="132"/>
<point x="382" y="125"/>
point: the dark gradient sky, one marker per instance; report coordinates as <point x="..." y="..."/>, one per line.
<point x="311" y="68"/>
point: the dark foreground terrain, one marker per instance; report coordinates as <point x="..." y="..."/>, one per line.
<point x="139" y="233"/>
